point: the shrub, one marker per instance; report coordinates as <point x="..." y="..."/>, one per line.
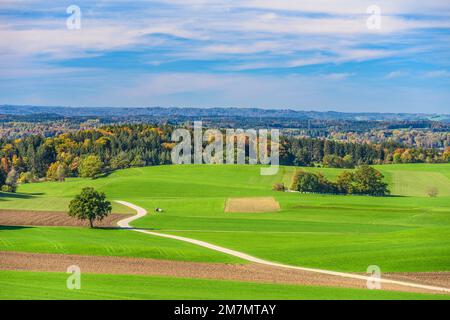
<point x="7" y="188"/>
<point x="11" y="181"/>
<point x="26" y="177"/>
<point x="278" y="187"/>
<point x="432" y="192"/>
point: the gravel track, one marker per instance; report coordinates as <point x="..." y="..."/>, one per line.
<point x="385" y="282"/>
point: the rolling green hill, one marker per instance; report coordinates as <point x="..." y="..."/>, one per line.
<point x="406" y="232"/>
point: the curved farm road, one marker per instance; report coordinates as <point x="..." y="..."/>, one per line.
<point x="142" y="212"/>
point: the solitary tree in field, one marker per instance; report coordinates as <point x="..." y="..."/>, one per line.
<point x="90" y="205"/>
<point x="278" y="187"/>
<point x="433" y="192"/>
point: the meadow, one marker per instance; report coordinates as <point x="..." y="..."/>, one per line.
<point x="407" y="231"/>
<point x="40" y="285"/>
<point x="103" y="242"/>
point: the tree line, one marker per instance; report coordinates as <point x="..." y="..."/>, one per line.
<point x="91" y="152"/>
<point x="303" y="151"/>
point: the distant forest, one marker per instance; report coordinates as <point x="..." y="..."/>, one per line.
<point x="90" y="152"/>
<point x="409" y="130"/>
<point x="217" y="112"/>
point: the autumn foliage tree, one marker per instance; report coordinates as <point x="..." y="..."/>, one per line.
<point x="90" y="167"/>
<point x="57" y="172"/>
<point x="446" y="155"/>
<point x="369" y="181"/>
<point x="10" y="184"/>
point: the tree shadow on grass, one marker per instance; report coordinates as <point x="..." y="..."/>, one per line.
<point x="7" y="195"/>
<point x="6" y="228"/>
<point x="120" y="228"/>
<point x="105" y="228"/>
<point x="103" y="175"/>
<point x="95" y="227"/>
<point x="148" y="229"/>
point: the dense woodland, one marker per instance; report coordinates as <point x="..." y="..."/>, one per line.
<point x="91" y="152"/>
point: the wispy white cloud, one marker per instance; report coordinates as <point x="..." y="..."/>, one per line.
<point x="337" y="76"/>
<point x="220" y="27"/>
<point x="437" y="74"/>
<point x="226" y="40"/>
<point x="396" y="74"/>
<point x="352" y="6"/>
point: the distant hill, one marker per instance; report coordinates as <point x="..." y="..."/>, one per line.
<point x="223" y="112"/>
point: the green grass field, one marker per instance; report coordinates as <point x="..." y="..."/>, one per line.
<point x="103" y="242"/>
<point x="345" y="233"/>
<point x="34" y="285"/>
<point x="416" y="179"/>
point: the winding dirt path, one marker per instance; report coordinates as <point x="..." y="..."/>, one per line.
<point x="141" y="212"/>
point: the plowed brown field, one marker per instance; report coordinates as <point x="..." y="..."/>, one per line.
<point x="38" y="218"/>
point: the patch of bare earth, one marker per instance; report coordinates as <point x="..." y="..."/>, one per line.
<point x="252" y="205"/>
<point x="140" y="266"/>
<point x="39" y="218"/>
<point x="440" y="279"/>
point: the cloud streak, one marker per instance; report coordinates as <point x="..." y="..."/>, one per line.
<point x="226" y="43"/>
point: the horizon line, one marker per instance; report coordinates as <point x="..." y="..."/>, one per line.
<point x="217" y="107"/>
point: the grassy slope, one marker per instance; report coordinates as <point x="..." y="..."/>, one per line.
<point x="52" y="196"/>
<point x="33" y="285"/>
<point x="416" y="179"/>
<point x="336" y="232"/>
<point x="103" y="242"/>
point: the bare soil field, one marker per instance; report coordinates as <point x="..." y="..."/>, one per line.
<point x="39" y="218"/>
<point x="441" y="279"/>
<point x="239" y="272"/>
<point x="252" y="205"/>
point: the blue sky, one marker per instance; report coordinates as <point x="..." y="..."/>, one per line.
<point x="306" y="55"/>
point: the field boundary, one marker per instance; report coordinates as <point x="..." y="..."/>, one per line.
<point x="53" y="219"/>
<point x="247" y="272"/>
<point x="141" y="212"/>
